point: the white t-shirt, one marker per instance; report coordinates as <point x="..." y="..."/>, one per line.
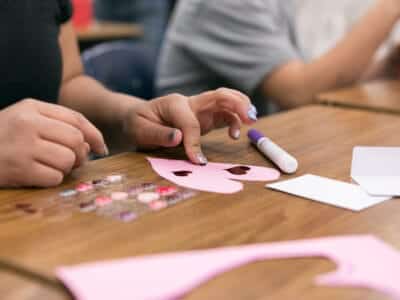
<point x="321" y="24"/>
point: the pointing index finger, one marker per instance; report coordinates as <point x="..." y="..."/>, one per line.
<point x="180" y="115"/>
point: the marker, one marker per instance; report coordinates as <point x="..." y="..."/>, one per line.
<point x="276" y="154"/>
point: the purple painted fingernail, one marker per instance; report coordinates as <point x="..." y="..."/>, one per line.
<point x="252" y="113"/>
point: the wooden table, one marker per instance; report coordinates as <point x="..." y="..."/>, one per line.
<point x="381" y="96"/>
<point x="322" y="139"/>
<point x="107" y="31"/>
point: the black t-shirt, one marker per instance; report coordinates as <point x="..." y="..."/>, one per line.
<point x="30" y="56"/>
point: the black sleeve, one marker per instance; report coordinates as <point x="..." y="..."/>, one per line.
<point x="65" y="10"/>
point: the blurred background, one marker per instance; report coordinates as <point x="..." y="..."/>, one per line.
<point x="334" y="19"/>
<point x="120" y="39"/>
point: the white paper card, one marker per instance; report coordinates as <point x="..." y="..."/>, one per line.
<point x="377" y="170"/>
<point x="328" y="191"/>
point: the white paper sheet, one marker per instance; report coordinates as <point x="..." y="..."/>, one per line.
<point x="377" y="170"/>
<point x="328" y="191"/>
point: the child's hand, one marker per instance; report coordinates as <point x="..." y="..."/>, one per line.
<point x="171" y="120"/>
<point x="42" y="142"/>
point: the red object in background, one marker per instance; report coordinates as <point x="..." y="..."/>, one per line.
<point x="83" y="13"/>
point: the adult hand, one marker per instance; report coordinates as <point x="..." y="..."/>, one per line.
<point x="42" y="142"/>
<point x="168" y="121"/>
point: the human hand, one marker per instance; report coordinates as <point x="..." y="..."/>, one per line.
<point x="43" y="142"/>
<point x="168" y="121"/>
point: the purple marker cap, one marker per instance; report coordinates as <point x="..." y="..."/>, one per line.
<point x="254" y="135"/>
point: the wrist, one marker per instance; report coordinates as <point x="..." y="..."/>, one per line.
<point x="129" y="109"/>
<point x="125" y="107"/>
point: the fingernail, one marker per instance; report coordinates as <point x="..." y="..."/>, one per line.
<point x="202" y="159"/>
<point x="172" y="135"/>
<point x="106" y="152"/>
<point x="252" y="113"/>
<point x="236" y="134"/>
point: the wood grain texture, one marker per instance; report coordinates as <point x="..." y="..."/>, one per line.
<point x="322" y="139"/>
<point x="101" y="31"/>
<point x="381" y="96"/>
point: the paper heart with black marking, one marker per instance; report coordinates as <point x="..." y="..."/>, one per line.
<point x="214" y="177"/>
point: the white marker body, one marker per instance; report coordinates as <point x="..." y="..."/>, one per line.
<point x="276" y="154"/>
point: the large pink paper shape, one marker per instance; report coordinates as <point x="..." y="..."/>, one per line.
<point x="213" y="177"/>
<point x="363" y="261"/>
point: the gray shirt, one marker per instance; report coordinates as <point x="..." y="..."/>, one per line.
<point x="229" y="43"/>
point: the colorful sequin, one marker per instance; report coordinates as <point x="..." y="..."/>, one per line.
<point x="112" y="197"/>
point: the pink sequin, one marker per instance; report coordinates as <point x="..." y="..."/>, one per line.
<point x="158" y="205"/>
<point x="103" y="201"/>
<point x="84" y="187"/>
<point x="166" y="190"/>
<point x="119" y="196"/>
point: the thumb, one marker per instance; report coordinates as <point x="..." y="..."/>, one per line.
<point x="150" y="134"/>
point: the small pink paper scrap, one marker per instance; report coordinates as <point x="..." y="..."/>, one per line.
<point x="363" y="261"/>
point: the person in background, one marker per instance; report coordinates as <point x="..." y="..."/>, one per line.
<point x="128" y="66"/>
<point x="335" y="19"/>
<point x="49" y="108"/>
<point x="253" y="46"/>
<point x="152" y="15"/>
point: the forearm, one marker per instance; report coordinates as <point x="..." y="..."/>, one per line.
<point x="344" y="64"/>
<point x="348" y="61"/>
<point x="100" y="105"/>
<point x="106" y="109"/>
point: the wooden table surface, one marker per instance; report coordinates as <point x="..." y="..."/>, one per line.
<point x="382" y="96"/>
<point x="101" y="31"/>
<point x="322" y="138"/>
